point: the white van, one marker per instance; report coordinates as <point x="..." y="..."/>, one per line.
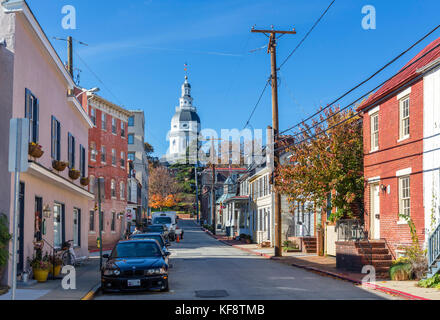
<point x="168" y="218"/>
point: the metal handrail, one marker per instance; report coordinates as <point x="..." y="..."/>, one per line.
<point x="389" y="248"/>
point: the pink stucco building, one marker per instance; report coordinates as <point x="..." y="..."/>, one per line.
<point x="39" y="87"/>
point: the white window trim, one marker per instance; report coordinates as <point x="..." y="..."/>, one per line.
<point x="374" y="110"/>
<point x="371" y="132"/>
<point x="374" y="179"/>
<point x="404" y="93"/>
<point x="403" y="172"/>
<point x="403" y="137"/>
<point x="400" y="220"/>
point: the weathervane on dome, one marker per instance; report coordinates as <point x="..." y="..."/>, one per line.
<point x="186" y="70"/>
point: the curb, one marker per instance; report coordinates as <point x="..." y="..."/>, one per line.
<point x="103" y="249"/>
<point x="386" y="290"/>
<point x="91" y="294"/>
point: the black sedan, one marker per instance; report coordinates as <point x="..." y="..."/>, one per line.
<point x="135" y="265"/>
<point x="157" y="228"/>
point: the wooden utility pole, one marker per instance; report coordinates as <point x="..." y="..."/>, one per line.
<point x="271" y="48"/>
<point x="70" y="55"/>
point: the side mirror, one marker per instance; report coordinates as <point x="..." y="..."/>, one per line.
<point x="105" y="256"/>
<point x="167" y="253"/>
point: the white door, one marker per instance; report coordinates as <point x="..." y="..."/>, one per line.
<point x="375" y="212"/>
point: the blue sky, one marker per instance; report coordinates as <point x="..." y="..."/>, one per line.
<point x="138" y="49"/>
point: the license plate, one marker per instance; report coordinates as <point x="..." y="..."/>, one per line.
<point x="134" y="283"/>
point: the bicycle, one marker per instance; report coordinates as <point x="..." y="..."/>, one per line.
<point x="68" y="256"/>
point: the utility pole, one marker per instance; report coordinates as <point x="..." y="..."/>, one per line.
<point x="100" y="223"/>
<point x="214" y="222"/>
<point x="70" y="55"/>
<point x="197" y="183"/>
<point x="271" y="48"/>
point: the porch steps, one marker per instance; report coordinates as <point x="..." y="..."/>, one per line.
<point x="375" y="253"/>
<point x="310" y="244"/>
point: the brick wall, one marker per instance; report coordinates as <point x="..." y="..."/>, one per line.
<point x="391" y="157"/>
<point x="347" y="257"/>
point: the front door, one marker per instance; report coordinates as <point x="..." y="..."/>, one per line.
<point x="374" y="212"/>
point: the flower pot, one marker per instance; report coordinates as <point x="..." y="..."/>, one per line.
<point x="85" y="181"/>
<point x="35" y="151"/>
<point x="74" y="174"/>
<point x="59" y="165"/>
<point x="40" y="275"/>
<point x="56" y="270"/>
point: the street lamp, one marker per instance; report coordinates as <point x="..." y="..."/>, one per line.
<point x="93" y="90"/>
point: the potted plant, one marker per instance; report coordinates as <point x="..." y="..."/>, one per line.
<point x="56" y="264"/>
<point x="85" y="181"/>
<point x="35" y="150"/>
<point x="59" y="165"/>
<point x="4" y="243"/>
<point x="40" y="268"/>
<point x="74" y="174"/>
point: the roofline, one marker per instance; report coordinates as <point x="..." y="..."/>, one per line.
<point x="20" y="6"/>
<point x="110" y="104"/>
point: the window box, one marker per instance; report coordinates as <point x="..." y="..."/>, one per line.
<point x="85" y="181"/>
<point x="74" y="174"/>
<point x="59" y="165"/>
<point x="35" y="150"/>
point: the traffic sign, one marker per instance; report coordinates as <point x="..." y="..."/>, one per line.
<point x="18" y="145"/>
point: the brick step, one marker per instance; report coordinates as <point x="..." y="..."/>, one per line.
<point x="310" y="247"/>
<point x="371" y="244"/>
<point x="377" y="263"/>
<point x="364" y="251"/>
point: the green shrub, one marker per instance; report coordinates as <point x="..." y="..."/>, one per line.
<point x="4" y="240"/>
<point x="401" y="272"/>
<point x="433" y="282"/>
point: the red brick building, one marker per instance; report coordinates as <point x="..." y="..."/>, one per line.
<point x="108" y="149"/>
<point x="393" y="120"/>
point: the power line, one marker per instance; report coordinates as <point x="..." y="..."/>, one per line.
<point x="307" y="34"/>
<point x="256" y="105"/>
<point x="356" y="113"/>
<point x="97" y="78"/>
<point x="365" y="81"/>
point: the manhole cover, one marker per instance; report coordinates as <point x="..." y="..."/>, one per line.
<point x="211" y="294"/>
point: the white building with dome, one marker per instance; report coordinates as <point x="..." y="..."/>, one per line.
<point x="185" y="127"/>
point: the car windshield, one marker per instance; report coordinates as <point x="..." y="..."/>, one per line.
<point x="136" y="250"/>
<point x="147" y="236"/>
<point x="155" y="228"/>
<point x="162" y="220"/>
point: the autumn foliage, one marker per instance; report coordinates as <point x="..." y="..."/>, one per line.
<point x="163" y="188"/>
<point x="326" y="157"/>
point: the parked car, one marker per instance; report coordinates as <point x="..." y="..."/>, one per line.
<point x="169" y="219"/>
<point x="135" y="265"/>
<point x="155" y="236"/>
<point x="161" y="228"/>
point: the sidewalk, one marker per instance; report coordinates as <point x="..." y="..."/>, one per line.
<point x="327" y="266"/>
<point x="87" y="279"/>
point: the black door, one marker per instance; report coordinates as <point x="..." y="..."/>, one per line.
<point x="20" y="265"/>
<point x="38" y="218"/>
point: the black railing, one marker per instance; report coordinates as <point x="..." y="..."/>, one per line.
<point x="350" y="230"/>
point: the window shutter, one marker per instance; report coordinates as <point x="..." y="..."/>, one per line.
<point x="63" y="224"/>
<point x="79" y="227"/>
<point x="69" y="149"/>
<point x="58" y="140"/>
<point x="36" y="120"/>
<point x="52" y="136"/>
<point x="27" y="104"/>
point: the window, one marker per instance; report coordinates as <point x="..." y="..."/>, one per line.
<point x="122" y="190"/>
<point x="131" y="121"/>
<point x="131" y="138"/>
<point x="113" y="125"/>
<point x="131" y="156"/>
<point x="122" y="129"/>
<point x="404" y="118"/>
<point x="113" y="157"/>
<point x="404" y="197"/>
<point x="92" y="221"/>
<point x="93" y="115"/>
<point x="82" y="160"/>
<point x="104" y="121"/>
<point x="56" y="139"/>
<point x="103" y="156"/>
<point x="32" y="113"/>
<point x="375" y="131"/>
<point x="71" y="151"/>
<point x="93" y="151"/>
<point x="113" y="189"/>
<point x="76" y="227"/>
<point x="57" y="226"/>
<point x="92" y="184"/>
<point x="122" y="159"/>
<point x="113" y="225"/>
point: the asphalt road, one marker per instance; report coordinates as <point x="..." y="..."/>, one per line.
<point x="204" y="268"/>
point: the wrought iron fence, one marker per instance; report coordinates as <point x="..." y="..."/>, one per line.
<point x="350" y="230"/>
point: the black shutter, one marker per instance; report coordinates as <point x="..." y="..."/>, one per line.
<point x="36" y="120"/>
<point x="52" y="138"/>
<point x="79" y="228"/>
<point x="58" y="141"/>
<point x="73" y="151"/>
<point x="69" y="149"/>
<point x="63" y="224"/>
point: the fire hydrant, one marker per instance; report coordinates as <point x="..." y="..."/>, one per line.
<point x="98" y="242"/>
